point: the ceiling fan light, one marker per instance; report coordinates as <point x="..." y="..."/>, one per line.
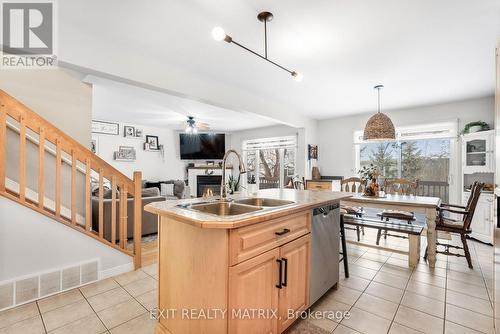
<point x="188" y="129"/>
<point x="297" y="76"/>
<point x="218" y="34"/>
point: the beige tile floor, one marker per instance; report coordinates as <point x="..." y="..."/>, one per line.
<point x="382" y="296"/>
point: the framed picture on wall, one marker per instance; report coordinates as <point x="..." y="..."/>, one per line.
<point x="152" y="142"/>
<point x="138" y="132"/>
<point x="106" y="128"/>
<point x="312" y="152"/>
<point x="125" y="153"/>
<point x="128" y="131"/>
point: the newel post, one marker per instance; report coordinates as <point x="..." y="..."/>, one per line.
<point x="137" y="218"/>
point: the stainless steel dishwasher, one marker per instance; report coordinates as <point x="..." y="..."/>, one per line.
<point x="324" y="250"/>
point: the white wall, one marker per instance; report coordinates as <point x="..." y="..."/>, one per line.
<point x="58" y="95"/>
<point x="335" y="136"/>
<point x="153" y="166"/>
<point x="31" y="243"/>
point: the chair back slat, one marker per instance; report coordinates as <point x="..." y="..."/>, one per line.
<point x="472" y="203"/>
<point x="353" y="185"/>
<point x="299" y="184"/>
<point x="398" y="186"/>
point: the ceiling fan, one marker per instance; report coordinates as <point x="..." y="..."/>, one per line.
<point x="193" y="126"/>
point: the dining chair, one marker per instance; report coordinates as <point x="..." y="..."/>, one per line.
<point x="299" y="183"/>
<point x="397" y="186"/>
<point x="459" y="226"/>
<point x="353" y="185"/>
<point x="401" y="186"/>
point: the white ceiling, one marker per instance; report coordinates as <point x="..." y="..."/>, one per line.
<point x="130" y="104"/>
<point x="423" y="51"/>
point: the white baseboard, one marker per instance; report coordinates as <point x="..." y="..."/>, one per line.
<point x="116" y="270"/>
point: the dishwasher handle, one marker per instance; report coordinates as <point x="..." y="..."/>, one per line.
<point x="324" y="210"/>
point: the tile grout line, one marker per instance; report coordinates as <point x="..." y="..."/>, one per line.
<point x="399" y="304"/>
<point x="93" y="308"/>
<point x="371" y="280"/>
<point x="122" y="286"/>
<point x="41" y="318"/>
<point x="60" y="307"/>
<point x="445" y="292"/>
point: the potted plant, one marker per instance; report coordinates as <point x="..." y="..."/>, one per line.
<point x="475" y="127"/>
<point x="233" y="183"/>
<point x="369" y="175"/>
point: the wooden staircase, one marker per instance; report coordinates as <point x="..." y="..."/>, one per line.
<point x="17" y="118"/>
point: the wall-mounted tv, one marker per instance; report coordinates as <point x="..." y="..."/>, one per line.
<point x="202" y="146"/>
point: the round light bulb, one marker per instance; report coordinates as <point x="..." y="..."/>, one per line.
<point x="194" y="130"/>
<point x="218" y="34"/>
<point x="189" y="129"/>
<point x="297" y="76"/>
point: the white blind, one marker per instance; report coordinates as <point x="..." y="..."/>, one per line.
<point x="441" y="130"/>
<point x="270" y="143"/>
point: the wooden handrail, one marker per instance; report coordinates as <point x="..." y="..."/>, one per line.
<point x="64" y="145"/>
<point x="35" y="122"/>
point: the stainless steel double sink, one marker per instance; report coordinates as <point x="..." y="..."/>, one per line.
<point x="235" y="207"/>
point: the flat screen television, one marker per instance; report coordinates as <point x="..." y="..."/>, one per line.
<point x="202" y="146"/>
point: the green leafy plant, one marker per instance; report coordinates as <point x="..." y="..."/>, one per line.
<point x="368" y="173"/>
<point x="484" y="126"/>
<point x="233" y="183"/>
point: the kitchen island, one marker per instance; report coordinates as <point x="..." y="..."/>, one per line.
<point x="235" y="267"/>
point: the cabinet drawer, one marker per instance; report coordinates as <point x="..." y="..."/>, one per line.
<point x="249" y="241"/>
<point x="314" y="185"/>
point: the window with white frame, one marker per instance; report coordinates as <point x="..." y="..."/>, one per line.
<point x="270" y="162"/>
<point x="426" y="153"/>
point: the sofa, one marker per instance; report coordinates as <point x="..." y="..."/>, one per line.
<point x="180" y="190"/>
<point x="149" y="220"/>
<point x="150" y="194"/>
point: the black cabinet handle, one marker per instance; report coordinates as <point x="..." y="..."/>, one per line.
<point x="285" y="231"/>
<point x="286" y="272"/>
<point x="279" y="286"/>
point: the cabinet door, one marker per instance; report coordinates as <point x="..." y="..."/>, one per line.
<point x="294" y="295"/>
<point x="252" y="285"/>
<point x="491" y="153"/>
<point x="482" y="221"/>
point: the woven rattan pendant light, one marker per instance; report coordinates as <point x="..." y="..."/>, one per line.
<point x="379" y="127"/>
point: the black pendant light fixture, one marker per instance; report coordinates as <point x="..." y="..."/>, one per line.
<point x="220" y="35"/>
<point x="379" y="127"/>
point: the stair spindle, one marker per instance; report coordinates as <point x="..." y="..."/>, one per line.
<point x="101" y="203"/>
<point x="137" y="218"/>
<point x="88" y="208"/>
<point x="73" y="187"/>
<point x="123" y="216"/>
<point x="41" y="168"/>
<point x="113" y="209"/>
<point x="22" y="158"/>
<point x="58" y="178"/>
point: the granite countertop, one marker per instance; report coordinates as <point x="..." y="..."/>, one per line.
<point x="304" y="200"/>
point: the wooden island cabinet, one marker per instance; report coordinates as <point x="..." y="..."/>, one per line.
<point x="245" y="274"/>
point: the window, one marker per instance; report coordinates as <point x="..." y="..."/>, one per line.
<point x="423" y="153"/>
<point x="270" y="162"/>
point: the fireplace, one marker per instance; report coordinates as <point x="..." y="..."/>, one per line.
<point x="205" y="182"/>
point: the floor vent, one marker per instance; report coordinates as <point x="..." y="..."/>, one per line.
<point x="32" y="287"/>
